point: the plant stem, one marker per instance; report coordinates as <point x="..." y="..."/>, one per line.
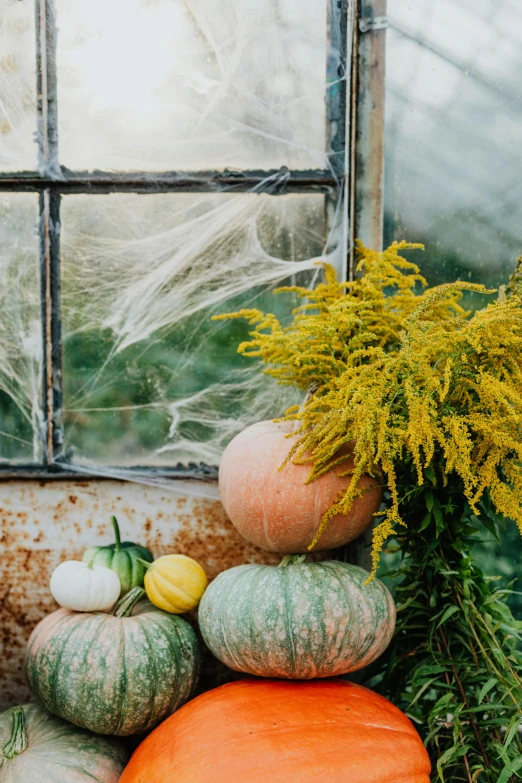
<point x="124" y="607"/>
<point x="116" y="527"/>
<point x="18" y="742"/>
<point x="291" y="560"/>
<point x="465" y="700"/>
<point x="448" y="683"/>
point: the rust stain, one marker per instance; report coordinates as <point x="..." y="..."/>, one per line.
<point x="40" y="526"/>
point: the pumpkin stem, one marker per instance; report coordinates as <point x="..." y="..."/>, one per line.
<point x="18" y="742"/>
<point x="291" y="560"/>
<point x="116" y="534"/>
<point x="125" y="605"/>
<point x="144" y="563"/>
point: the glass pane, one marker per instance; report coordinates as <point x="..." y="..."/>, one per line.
<point x="177" y="84"/>
<point x="149" y="379"/>
<point x="17" y="86"/>
<point x="20" y="329"/>
<point x="454" y="135"/>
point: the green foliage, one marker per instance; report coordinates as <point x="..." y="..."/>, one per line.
<point x="454" y="665"/>
<point x="402" y="375"/>
<point x="431" y="397"/>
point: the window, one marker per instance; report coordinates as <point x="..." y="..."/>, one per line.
<point x="192" y="154"/>
<point x="454" y="157"/>
<point x="453" y="135"/>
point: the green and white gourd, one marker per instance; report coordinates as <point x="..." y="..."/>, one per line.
<point x="122" y="557"/>
<point x="37" y="747"/>
<point x="120" y="673"/>
<point x="298" y="620"/>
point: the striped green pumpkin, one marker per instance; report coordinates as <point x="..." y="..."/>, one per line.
<point x="37" y="747"/>
<point x="122" y="557"/>
<point x="298" y="620"/>
<point x="120" y="673"/>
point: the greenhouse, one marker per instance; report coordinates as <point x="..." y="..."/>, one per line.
<point x="261" y="391"/>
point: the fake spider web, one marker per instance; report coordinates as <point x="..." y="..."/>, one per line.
<point x="149" y="380"/>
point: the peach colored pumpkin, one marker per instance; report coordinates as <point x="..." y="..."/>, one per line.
<point x="276" y="510"/>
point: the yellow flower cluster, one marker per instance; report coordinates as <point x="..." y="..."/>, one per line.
<point x="405" y="375"/>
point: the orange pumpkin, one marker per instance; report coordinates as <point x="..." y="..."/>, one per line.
<point x="269" y="730"/>
<point x="275" y="509"/>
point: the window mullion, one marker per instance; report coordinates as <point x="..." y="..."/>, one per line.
<point x="51" y="323"/>
<point x="49" y="228"/>
<point x="341" y="16"/>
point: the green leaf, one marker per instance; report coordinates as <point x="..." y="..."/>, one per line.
<point x="515" y="723"/>
<point x="450" y="755"/>
<point x="429" y="499"/>
<point x="439" y="516"/>
<point x="491" y="526"/>
<point x="430" y="473"/>
<point x="451" y="610"/>
<point x="486" y="689"/>
<point x="421" y="690"/>
<point x="509" y="770"/>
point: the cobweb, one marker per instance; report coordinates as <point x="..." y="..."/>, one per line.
<point x="150" y="383"/>
<point x="193" y="85"/>
<point x="20" y="330"/>
<point x="149" y="379"/>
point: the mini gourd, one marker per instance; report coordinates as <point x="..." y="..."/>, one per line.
<point x="175" y="583"/>
<point x="84" y="588"/>
<point x="125" y="558"/>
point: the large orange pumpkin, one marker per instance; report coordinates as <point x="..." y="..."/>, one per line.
<point x="254" y="731"/>
<point x="275" y="509"/>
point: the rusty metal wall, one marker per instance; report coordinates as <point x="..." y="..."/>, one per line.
<point x="45" y="523"/>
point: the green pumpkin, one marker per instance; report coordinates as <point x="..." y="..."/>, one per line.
<point x="123" y="558"/>
<point x="37" y="747"/>
<point x="120" y="673"/>
<point x="298" y="620"/>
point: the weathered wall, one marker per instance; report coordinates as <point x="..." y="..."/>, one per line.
<point x="42" y="524"/>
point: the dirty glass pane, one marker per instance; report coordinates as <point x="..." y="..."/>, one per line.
<point x="191" y="84"/>
<point x="148" y="378"/>
<point x="17" y="86"/>
<point x="454" y="135"/>
<point x="454" y="159"/>
<point x="20" y="329"/>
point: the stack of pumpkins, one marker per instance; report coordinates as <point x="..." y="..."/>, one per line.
<point x="122" y="669"/>
<point x="298" y="621"/>
<point x="111" y="662"/>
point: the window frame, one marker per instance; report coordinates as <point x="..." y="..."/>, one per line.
<point x="355" y="122"/>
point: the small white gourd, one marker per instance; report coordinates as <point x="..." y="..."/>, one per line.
<point x="83" y="588"/>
